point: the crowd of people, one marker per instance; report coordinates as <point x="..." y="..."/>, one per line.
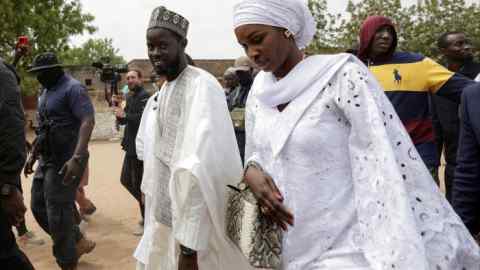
<point x="341" y="151"/>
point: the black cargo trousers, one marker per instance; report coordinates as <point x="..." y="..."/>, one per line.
<point x="53" y="206"/>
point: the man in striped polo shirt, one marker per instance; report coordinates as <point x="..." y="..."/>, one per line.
<point x="408" y="79"/>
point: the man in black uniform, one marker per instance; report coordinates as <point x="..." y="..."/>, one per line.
<point x="66" y="123"/>
<point x="132" y="171"/>
<point x="456" y="49"/>
<point x="12" y="159"/>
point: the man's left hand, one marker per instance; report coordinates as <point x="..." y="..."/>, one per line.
<point x="187" y="262"/>
<point x="72" y="171"/>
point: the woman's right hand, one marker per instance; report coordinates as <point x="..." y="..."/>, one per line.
<point x="269" y="197"/>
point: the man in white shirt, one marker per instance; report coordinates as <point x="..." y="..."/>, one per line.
<point x="187" y="142"/>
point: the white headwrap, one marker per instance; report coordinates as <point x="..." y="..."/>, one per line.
<point x="293" y="15"/>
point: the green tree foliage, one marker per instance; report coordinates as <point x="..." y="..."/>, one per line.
<point x="322" y="40"/>
<point x="434" y="17"/>
<point x="91" y="51"/>
<point x="48" y="23"/>
<point x="418" y="25"/>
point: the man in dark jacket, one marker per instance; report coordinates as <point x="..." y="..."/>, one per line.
<point x="466" y="186"/>
<point x="12" y="159"/>
<point x="25" y="236"/>
<point x="132" y="170"/>
<point x="456" y="49"/>
<point x="408" y="80"/>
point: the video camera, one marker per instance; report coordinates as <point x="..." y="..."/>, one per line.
<point x="109" y="72"/>
<point x="110" y="75"/>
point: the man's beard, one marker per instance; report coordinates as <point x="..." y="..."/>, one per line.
<point x="170" y="70"/>
<point x="134" y="88"/>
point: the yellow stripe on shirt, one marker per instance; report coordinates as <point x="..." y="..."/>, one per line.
<point x="421" y="76"/>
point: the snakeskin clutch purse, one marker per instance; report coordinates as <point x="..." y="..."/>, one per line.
<point x="259" y="239"/>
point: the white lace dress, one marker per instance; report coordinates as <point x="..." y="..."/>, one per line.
<point x="361" y="196"/>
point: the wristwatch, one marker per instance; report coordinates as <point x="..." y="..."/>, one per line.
<point x="255" y="165"/>
<point x="6" y="190"/>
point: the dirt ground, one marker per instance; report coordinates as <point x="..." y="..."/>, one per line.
<point x="111" y="226"/>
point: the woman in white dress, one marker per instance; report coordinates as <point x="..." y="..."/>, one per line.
<point x="329" y="160"/>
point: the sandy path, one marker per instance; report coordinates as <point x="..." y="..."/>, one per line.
<point x="113" y="223"/>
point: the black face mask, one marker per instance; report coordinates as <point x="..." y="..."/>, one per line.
<point x="244" y="78"/>
<point x="49" y="78"/>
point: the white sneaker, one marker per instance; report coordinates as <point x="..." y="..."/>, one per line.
<point x="83" y="226"/>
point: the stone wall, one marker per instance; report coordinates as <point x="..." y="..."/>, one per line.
<point x="87" y="75"/>
<point x="104" y="118"/>
<point x="105" y="128"/>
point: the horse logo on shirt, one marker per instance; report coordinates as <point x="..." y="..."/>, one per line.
<point x="397" y="77"/>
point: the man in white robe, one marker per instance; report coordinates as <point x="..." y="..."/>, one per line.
<point x="187" y="142"/>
